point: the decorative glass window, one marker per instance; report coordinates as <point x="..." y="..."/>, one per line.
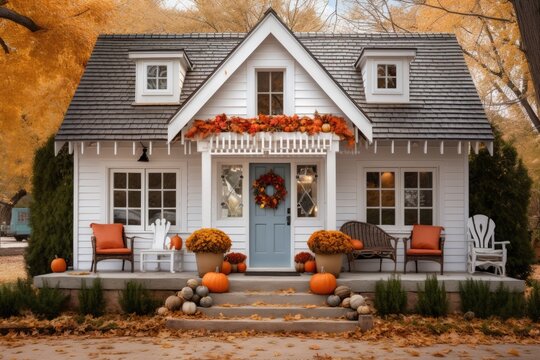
<point x="381" y="197"/>
<point x="231" y="191"/>
<point x="418" y="197"/>
<point x="162" y="197"/>
<point x="156" y="77"/>
<point x="127" y="202"/>
<point x="386" y="76"/>
<point x="306" y="190"/>
<point x="270" y="92"/>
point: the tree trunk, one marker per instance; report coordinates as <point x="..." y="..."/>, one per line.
<point x="5" y="207"/>
<point x="528" y="16"/>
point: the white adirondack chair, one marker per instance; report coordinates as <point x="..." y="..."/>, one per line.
<point x="160" y="247"/>
<point x="482" y="251"/>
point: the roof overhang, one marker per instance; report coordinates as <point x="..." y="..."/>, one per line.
<point x="270" y="25"/>
<point x="162" y="54"/>
<point x="385" y="52"/>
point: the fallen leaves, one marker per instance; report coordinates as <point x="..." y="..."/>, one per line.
<point x="314" y="347"/>
<point x="513" y="352"/>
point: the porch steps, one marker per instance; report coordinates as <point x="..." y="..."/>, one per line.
<point x="249" y="298"/>
<point x="274" y="311"/>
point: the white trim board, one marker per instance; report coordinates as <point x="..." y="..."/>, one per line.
<point x="270" y="25"/>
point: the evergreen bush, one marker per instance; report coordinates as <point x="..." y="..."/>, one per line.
<point x="500" y="187"/>
<point x="390" y="297"/>
<point x="26" y="294"/>
<point x="475" y="297"/>
<point x="507" y="304"/>
<point x="9" y="304"/>
<point x="136" y="299"/>
<point x="91" y="299"/>
<point x="51" y="210"/>
<point x="432" y="299"/>
<point x="49" y="302"/>
<point x="533" y="302"/>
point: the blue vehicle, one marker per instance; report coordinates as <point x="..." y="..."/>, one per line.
<point x="19" y="228"/>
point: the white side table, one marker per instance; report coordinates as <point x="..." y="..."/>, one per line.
<point x="175" y="257"/>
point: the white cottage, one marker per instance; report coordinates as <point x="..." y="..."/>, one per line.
<point x="408" y="99"/>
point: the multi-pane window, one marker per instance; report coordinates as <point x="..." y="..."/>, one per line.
<point x="270" y="92"/>
<point x="156" y="77"/>
<point x="127" y="202"/>
<point x="306" y="190"/>
<point x="231" y="191"/>
<point x="162" y="196"/>
<point x="381" y="197"/>
<point x="418" y="197"/>
<point x="386" y="76"/>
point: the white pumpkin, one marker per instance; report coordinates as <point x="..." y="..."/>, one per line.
<point x="193" y="283"/>
<point x="346" y="303"/>
<point x="189" y="308"/>
<point x="363" y="310"/>
<point x="162" y="311"/>
<point x="356" y="301"/>
<point x="187" y="293"/>
<point x="173" y="303"/>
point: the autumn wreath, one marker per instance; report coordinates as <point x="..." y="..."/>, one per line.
<point x="259" y="190"/>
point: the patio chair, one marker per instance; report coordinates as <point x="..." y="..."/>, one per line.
<point x="425" y="243"/>
<point x="110" y="242"/>
<point x="160" y="247"/>
<point x="481" y="241"/>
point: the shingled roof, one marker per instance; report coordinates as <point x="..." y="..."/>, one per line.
<point x="444" y="103"/>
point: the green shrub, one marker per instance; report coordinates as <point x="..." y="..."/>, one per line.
<point x="9" y="301"/>
<point x="49" y="302"/>
<point x="507" y="304"/>
<point x="432" y="300"/>
<point x="26" y="293"/>
<point x="390" y="298"/>
<point x="475" y="297"/>
<point x="135" y="298"/>
<point x="91" y="300"/>
<point x="533" y="302"/>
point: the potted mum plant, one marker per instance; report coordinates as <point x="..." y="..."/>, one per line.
<point x="209" y="245"/>
<point x="237" y="261"/>
<point x="300" y="261"/>
<point x="329" y="246"/>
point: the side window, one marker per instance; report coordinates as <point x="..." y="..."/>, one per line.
<point x="231" y="191"/>
<point x="270" y="92"/>
<point x="381" y="197"/>
<point x="418" y="197"/>
<point x="306" y="191"/>
<point x="127" y="202"/>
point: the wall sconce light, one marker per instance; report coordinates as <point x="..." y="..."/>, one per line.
<point x="144" y="156"/>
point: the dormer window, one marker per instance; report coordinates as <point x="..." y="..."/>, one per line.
<point x="386" y="76"/>
<point x="156" y="77"/>
<point x="270" y="92"/>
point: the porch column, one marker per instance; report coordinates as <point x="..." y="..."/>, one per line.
<point x="206" y="188"/>
<point x="331" y="189"/>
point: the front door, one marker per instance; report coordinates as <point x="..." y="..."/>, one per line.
<point x="269" y="229"/>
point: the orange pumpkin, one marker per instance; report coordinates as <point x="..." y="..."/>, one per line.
<point x="310" y="266"/>
<point x="242" y="267"/>
<point x="176" y="242"/>
<point x="226" y="268"/>
<point x="58" y="265"/>
<point x="326" y="128"/>
<point x="357" y="244"/>
<point x="216" y="282"/>
<point x="323" y="283"/>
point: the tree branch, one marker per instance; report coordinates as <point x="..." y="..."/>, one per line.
<point x="25" y="21"/>
<point x="4" y="46"/>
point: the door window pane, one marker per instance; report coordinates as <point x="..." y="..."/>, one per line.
<point x="231" y="191"/>
<point x="306" y="190"/>
<point x="381" y="197"/>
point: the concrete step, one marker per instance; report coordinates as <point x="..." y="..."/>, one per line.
<point x="241" y="282"/>
<point x="254" y="298"/>
<point x="274" y="311"/>
<point x="269" y="325"/>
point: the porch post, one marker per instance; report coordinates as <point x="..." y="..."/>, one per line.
<point x="331" y="189"/>
<point x="206" y="189"/>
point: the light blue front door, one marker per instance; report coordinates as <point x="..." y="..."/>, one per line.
<point x="269" y="229"/>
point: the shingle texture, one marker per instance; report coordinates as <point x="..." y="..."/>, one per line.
<point x="443" y="104"/>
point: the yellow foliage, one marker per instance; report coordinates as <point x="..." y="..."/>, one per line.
<point x="208" y="240"/>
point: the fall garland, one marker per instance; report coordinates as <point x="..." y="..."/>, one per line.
<point x="277" y="123"/>
<point x="259" y="190"/>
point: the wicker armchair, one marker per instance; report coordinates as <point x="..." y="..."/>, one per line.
<point x="377" y="243"/>
<point x="110" y="242"/>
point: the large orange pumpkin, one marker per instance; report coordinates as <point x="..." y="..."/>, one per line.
<point x="310" y="266"/>
<point x="176" y="242"/>
<point x="58" y="265"/>
<point x="241" y="267"/>
<point x="226" y="268"/>
<point x="216" y="282"/>
<point x="323" y="283"/>
<point x="357" y="244"/>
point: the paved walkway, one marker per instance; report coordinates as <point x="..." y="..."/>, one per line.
<point x="145" y="348"/>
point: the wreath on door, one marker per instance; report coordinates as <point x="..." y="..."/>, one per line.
<point x="259" y="190"/>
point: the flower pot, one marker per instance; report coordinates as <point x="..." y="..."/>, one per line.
<point x="207" y="262"/>
<point x="331" y="263"/>
<point x="299" y="267"/>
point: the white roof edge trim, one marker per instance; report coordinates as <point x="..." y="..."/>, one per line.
<point x="269" y="26"/>
<point x="162" y="55"/>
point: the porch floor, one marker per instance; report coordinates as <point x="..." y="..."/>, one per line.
<point x="359" y="282"/>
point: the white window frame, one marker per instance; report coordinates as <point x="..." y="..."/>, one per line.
<point x="269" y="92"/>
<point x="319" y="191"/>
<point x="147" y="189"/>
<point x="433" y="195"/>
<point x="111" y="196"/>
<point x="399" y="76"/>
<point x="144" y="77"/>
<point x="396" y="189"/>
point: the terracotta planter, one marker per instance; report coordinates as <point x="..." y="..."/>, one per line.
<point x="331" y="263"/>
<point x="207" y="262"/>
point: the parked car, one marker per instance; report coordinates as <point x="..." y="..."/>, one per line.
<point x="19" y="228"/>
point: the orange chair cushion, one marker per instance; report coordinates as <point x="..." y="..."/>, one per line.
<point x="426" y="237"/>
<point x="108" y="236"/>
<point x="120" y="251"/>
<point x="357" y="244"/>
<point x="423" y="252"/>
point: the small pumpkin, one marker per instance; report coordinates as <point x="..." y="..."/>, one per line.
<point x="333" y="300"/>
<point x="202" y="291"/>
<point x="242" y="267"/>
<point x="189" y="308"/>
<point x="326" y="127"/>
<point x="206" y="302"/>
<point x="357" y="244"/>
<point x="173" y="303"/>
<point x="216" y="282"/>
<point x="342" y="291"/>
<point x="226" y="268"/>
<point x="322" y="283"/>
<point x="346" y="303"/>
<point x="363" y="309"/>
<point x="58" y="265"/>
<point x="187" y="293"/>
<point x="356" y="301"/>
<point x="195" y="298"/>
<point x="351" y="315"/>
<point x="176" y="242"/>
<point x="162" y="311"/>
<point x="193" y="283"/>
<point x="299" y="267"/>
<point x="310" y="266"/>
